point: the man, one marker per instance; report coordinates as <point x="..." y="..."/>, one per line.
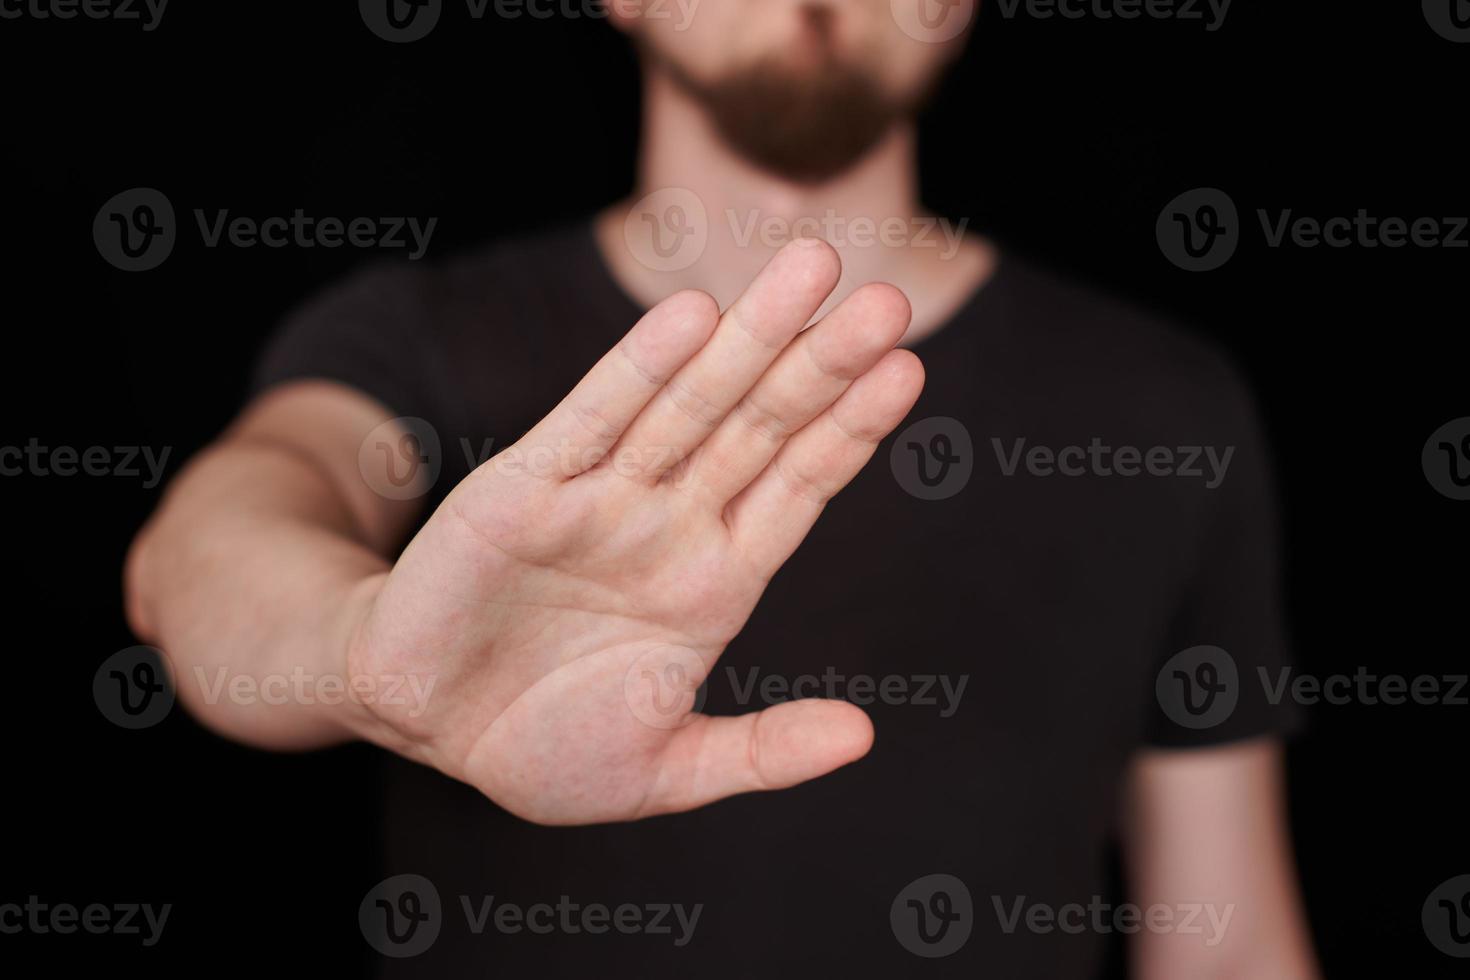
<point x="594" y="659"/>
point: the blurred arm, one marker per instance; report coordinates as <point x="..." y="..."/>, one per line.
<point x="1208" y="828"/>
<point x="264" y="554"/>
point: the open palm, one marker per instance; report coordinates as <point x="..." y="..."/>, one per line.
<point x="569" y="597"/>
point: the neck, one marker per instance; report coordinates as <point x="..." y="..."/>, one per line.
<point x="870" y="213"/>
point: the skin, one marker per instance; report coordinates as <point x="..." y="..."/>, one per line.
<point x="690" y="462"/>
<point x="680" y="148"/>
<point x="566" y="597"/>
<point x="1209" y="826"/>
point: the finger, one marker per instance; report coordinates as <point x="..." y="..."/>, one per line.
<point x="782" y="299"/>
<point x="712" y="758"/>
<point x="810" y="375"/>
<point x="591" y="418"/>
<point x="772" y="516"/>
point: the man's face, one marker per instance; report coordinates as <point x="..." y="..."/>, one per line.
<point x="800" y="87"/>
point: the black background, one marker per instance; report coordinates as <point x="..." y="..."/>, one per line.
<point x="1064" y="140"/>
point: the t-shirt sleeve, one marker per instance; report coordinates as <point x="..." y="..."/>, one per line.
<point x="374" y="331"/>
<point x="1220" y="677"/>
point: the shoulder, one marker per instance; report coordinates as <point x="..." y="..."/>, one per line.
<point x="1127" y="363"/>
<point x="515" y="270"/>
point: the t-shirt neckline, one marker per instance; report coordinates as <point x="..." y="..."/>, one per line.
<point x="969" y="310"/>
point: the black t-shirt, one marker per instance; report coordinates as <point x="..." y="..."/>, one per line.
<point x="1011" y="626"/>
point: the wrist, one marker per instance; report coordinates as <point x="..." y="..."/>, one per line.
<point x="357" y="720"/>
<point x="376" y="698"/>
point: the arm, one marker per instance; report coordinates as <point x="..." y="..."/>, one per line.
<point x="1208" y="826"/>
<point x="560" y="607"/>
<point x="265" y="552"/>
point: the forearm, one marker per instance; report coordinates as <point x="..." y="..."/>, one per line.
<point x="251" y="578"/>
<point x="1206" y="833"/>
<point x="1280" y="954"/>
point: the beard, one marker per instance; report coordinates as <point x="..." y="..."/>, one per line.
<point x="804" y="124"/>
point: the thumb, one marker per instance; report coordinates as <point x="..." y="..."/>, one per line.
<point x="712" y="758"/>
